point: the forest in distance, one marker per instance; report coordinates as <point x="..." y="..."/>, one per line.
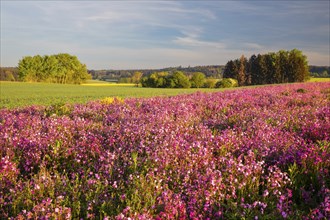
<point x="11" y="73"/>
<point x="66" y="68"/>
<point x="271" y="68"/>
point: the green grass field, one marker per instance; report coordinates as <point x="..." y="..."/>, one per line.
<point x="319" y="80"/>
<point x="19" y="94"/>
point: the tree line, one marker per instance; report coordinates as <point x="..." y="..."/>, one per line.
<point x="179" y="79"/>
<point x="280" y="67"/>
<point x="125" y="76"/>
<point x="165" y="80"/>
<point x="320" y="71"/>
<point x="59" y="68"/>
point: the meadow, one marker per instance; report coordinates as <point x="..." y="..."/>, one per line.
<point x="313" y="79"/>
<point x="19" y="94"/>
<point x="251" y="153"/>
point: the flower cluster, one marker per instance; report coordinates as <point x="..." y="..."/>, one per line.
<point x="247" y="153"/>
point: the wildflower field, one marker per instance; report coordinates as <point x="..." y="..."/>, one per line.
<point x="260" y="153"/>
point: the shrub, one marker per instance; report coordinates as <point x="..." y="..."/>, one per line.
<point x="210" y="83"/>
<point x="227" y="83"/>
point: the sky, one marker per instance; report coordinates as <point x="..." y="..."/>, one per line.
<point x="157" y="34"/>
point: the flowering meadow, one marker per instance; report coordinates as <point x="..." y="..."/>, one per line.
<point x="259" y="153"/>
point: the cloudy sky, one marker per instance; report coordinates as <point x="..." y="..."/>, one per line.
<point x="156" y="34"/>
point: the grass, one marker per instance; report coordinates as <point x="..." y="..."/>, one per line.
<point x="319" y="80"/>
<point x="104" y="83"/>
<point x="19" y="94"/>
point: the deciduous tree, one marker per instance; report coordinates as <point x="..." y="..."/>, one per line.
<point x="136" y="78"/>
<point x="59" y="68"/>
<point x="197" y="80"/>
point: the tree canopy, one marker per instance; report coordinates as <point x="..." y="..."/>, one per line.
<point x="136" y="78"/>
<point x="280" y="67"/>
<point x="176" y="79"/>
<point x="197" y="80"/>
<point x="60" y="68"/>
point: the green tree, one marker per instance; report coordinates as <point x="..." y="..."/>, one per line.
<point x="252" y="69"/>
<point x="25" y="68"/>
<point x="283" y="63"/>
<point x="8" y="73"/>
<point x="259" y="73"/>
<point x="197" y="80"/>
<point x="241" y="78"/>
<point x="38" y="67"/>
<point x="161" y="79"/>
<point x="227" y="83"/>
<point x="136" y="78"/>
<point x="60" y="68"/>
<point x="210" y="83"/>
<point x="7" y="76"/>
<point x="231" y="69"/>
<point x="271" y="72"/>
<point x="280" y="67"/>
<point x="155" y="80"/>
<point x="298" y="68"/>
<point x="50" y="67"/>
<point x="180" y="80"/>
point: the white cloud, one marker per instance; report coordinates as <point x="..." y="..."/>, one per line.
<point x="195" y="42"/>
<point x="252" y="46"/>
<point x="148" y="34"/>
<point x="106" y="16"/>
<point x="181" y="10"/>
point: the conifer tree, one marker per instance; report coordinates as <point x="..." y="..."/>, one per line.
<point x="241" y="72"/>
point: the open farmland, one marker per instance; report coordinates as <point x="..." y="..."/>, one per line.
<point x="242" y="154"/>
<point x="313" y="79"/>
<point x="18" y="94"/>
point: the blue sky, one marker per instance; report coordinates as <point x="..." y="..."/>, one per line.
<point x="157" y="34"/>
